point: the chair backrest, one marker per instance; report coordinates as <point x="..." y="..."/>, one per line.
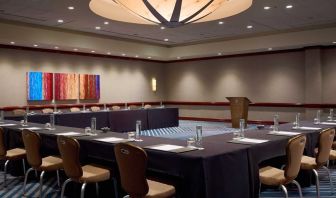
<point x="74" y="109"/>
<point x="132" y="107"/>
<point x="326" y="139"/>
<point x="69" y="149"/>
<point x="3" y="150"/>
<point x="115" y="108"/>
<point x="47" y="110"/>
<point x="19" y="112"/>
<point x="294" y="152"/>
<point x="32" y="144"/>
<point x="334" y="145"/>
<point x="132" y="163"/>
<point x="95" y="108"/>
<point x="147" y="106"/>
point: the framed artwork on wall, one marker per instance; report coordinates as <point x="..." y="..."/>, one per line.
<point x="89" y="87"/>
<point x="66" y="86"/>
<point x="39" y="86"/>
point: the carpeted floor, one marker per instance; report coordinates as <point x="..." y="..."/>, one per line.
<point x="185" y="130"/>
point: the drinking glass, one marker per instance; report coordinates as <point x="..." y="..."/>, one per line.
<point x="199" y="136"/>
<point x="276" y="123"/>
<point x="331" y="115"/>
<point x="87" y="130"/>
<point x="297" y="121"/>
<point x="138" y="130"/>
<point x="52" y="121"/>
<point x="131" y="135"/>
<point x="241" y="128"/>
<point x="2" y="116"/>
<point x="317" y="120"/>
<point x="191" y="142"/>
<point x="84" y="108"/>
<point x="93" y="126"/>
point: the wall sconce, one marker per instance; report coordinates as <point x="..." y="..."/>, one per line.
<point x="154" y="84"/>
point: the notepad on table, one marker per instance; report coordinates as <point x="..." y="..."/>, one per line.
<point x="284" y="133"/>
<point x="32" y="128"/>
<point x="248" y="141"/>
<point x="309" y="128"/>
<point x="328" y="123"/>
<point x="171" y="148"/>
<point x="112" y="139"/>
<point x="9" y="124"/>
<point x="71" y="134"/>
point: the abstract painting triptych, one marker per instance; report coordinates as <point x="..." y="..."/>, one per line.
<point x="62" y="86"/>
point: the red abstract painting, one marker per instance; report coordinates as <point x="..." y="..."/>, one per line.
<point x="89" y="86"/>
<point x="66" y="86"/>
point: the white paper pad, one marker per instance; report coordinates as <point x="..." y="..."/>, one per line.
<point x="31" y="128"/>
<point x="251" y="140"/>
<point x="166" y="147"/>
<point x="328" y="123"/>
<point x="4" y="125"/>
<point x="69" y="133"/>
<point x="110" y="139"/>
<point x="284" y="133"/>
<point x="309" y="128"/>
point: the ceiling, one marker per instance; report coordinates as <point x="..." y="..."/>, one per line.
<point x="305" y="14"/>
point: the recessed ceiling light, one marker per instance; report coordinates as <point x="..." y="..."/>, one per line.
<point x="60" y="21"/>
<point x="289" y="6"/>
<point x="123" y="54"/>
<point x="178" y="57"/>
<point x="98" y="28"/>
<point x="136" y="56"/>
<point x="109" y="53"/>
<point x="270" y="49"/>
<point x="334" y="42"/>
<point x="93" y="51"/>
<point x="166" y="39"/>
<point x="149" y="57"/>
<point x="35" y="45"/>
<point x="220" y="22"/>
<point x="249" y="27"/>
<point x="71" y="8"/>
<point x="56" y="47"/>
<point x="219" y="54"/>
<point x="106" y="22"/>
<point x="162" y="27"/>
<point x="267" y="7"/>
<point x="75" y="49"/>
<point x="12" y="42"/>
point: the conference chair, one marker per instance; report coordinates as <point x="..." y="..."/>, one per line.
<point x="32" y="143"/>
<point x="147" y="106"/>
<point x="75" y="109"/>
<point x="277" y="177"/>
<point x="69" y="149"/>
<point x="10" y="155"/>
<point x="310" y="163"/>
<point x="95" y="108"/>
<point x="115" y="108"/>
<point x="133" y="178"/>
<point x="334" y="145"/>
<point x="47" y="110"/>
<point x="19" y="112"/>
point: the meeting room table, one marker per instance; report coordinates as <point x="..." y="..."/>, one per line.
<point x="220" y="169"/>
<point x="117" y="120"/>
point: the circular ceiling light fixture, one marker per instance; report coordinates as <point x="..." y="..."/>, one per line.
<point x="168" y="13"/>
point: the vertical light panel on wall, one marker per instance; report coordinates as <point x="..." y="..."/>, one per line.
<point x="89" y="86"/>
<point x="154" y="84"/>
<point x="39" y="86"/>
<point x="66" y="86"/>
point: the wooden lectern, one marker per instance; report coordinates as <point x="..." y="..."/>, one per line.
<point x="239" y="110"/>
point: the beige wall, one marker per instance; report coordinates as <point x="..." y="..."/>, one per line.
<point x="306" y="76"/>
<point x="121" y="80"/>
<point x="292" y="77"/>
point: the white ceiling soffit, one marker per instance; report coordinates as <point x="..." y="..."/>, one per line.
<point x="68" y="41"/>
<point x="277" y="19"/>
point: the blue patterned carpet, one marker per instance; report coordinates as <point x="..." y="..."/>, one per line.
<point x="185" y="130"/>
